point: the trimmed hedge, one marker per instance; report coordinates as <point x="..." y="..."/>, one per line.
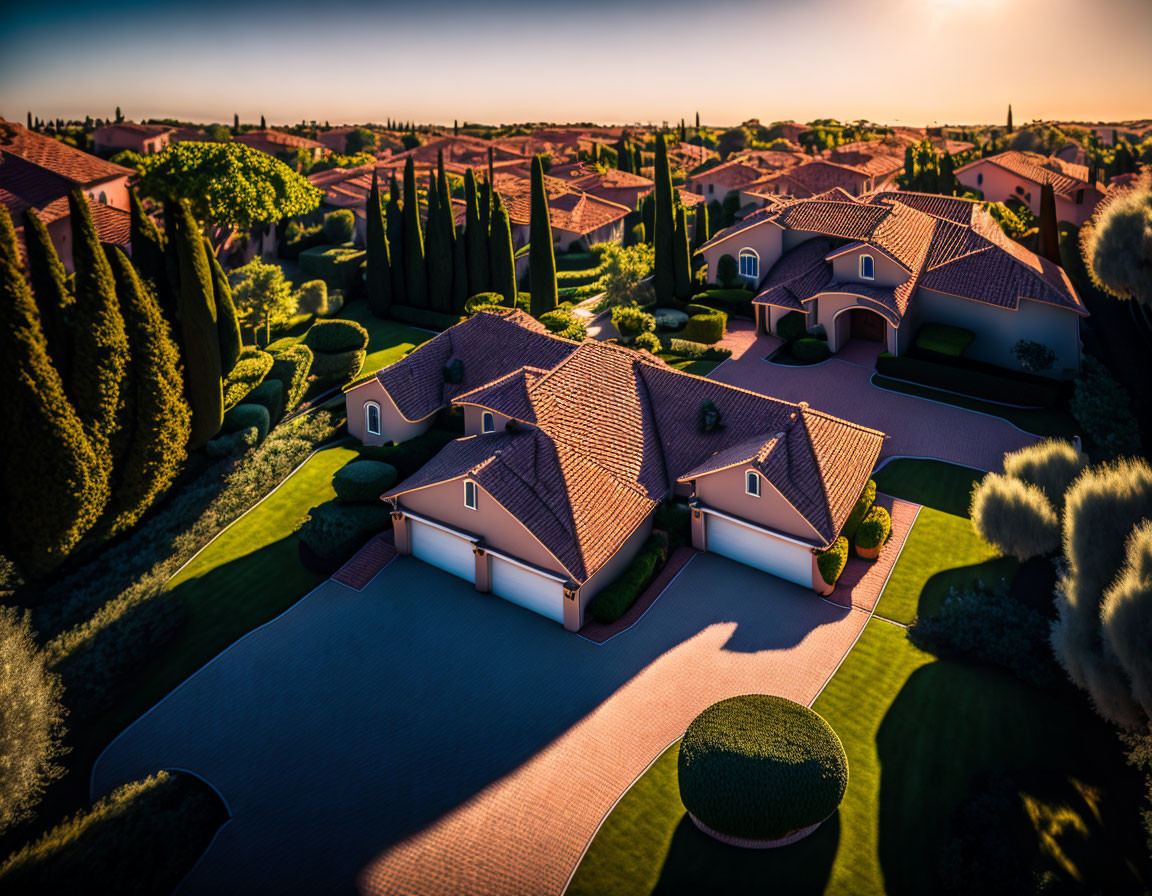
<point x="235" y="443"/>
<point x="248" y="373"/>
<point x="670" y="318"/>
<point x="313" y="297"/>
<point x="649" y="342"/>
<point x="760" y="767"/>
<point x="409" y="456"/>
<point x="734" y="302"/>
<point x="792" y="326"/>
<point x="295" y="243"/>
<point x="696" y="351"/>
<point x="874" y="529"/>
<point x="333" y="532"/>
<point x="675" y="518"/>
<point x="615" y="600"/>
<point x="706" y="328"/>
<point x="564" y="323"/>
<point x="363" y="481"/>
<point x="291" y="368"/>
<point x="338" y="366"/>
<point x="335" y="336"/>
<point x="244" y="416"/>
<point x="422" y="317"/>
<point x="832" y="561"/>
<point x="338" y="266"/>
<point x="483" y="300"/>
<point x="863" y="505"/>
<point x="270" y="395"/>
<point x="810" y="350"/>
<point x="944" y="339"/>
<point x="973" y="383"/>
<point x="631" y="320"/>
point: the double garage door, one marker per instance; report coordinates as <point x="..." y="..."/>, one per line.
<point x="511" y="581"/>
<point x="757" y="549"/>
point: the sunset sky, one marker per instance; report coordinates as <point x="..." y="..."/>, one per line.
<point x="895" y="61"/>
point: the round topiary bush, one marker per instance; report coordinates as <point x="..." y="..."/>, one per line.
<point x="246" y="415"/>
<point x="339" y="366"/>
<point x="269" y="394"/>
<point x="873" y="532"/>
<point x="313" y="297"/>
<point x="336" y="336"/>
<point x="810" y="350"/>
<point x="363" y="481"/>
<point x="761" y="771"/>
<point x="333" y="532"/>
<point x="339" y="226"/>
<point x="706" y="328"/>
<point x="649" y="342"/>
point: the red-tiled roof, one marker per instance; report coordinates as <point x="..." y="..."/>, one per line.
<point x="256" y="138"/>
<point x="568" y="208"/>
<point x="810" y="178"/>
<point x="59" y="158"/>
<point x="1038" y="169"/>
<point x="732" y="175"/>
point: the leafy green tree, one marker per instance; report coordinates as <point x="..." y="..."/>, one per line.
<point x="681" y="258"/>
<point x="664" y="222"/>
<point x="541" y="254"/>
<point x="100" y="360"/>
<point x="475" y="238"/>
<point x="50" y="288"/>
<point x="359" y="140"/>
<point x="227" y="321"/>
<point x="1116" y="245"/>
<point x="53" y="486"/>
<point x="263" y="296"/>
<point x="395" y="227"/>
<point x="199" y="334"/>
<point x="503" y="263"/>
<point x="163" y="420"/>
<point x="415" y="269"/>
<point x="622" y="272"/>
<point x="379" y="262"/>
<point x="229" y="186"/>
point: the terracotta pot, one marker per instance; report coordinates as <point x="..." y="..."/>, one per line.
<point x="868" y="553"/>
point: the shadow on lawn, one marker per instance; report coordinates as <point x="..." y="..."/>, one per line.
<point x="991" y="572"/>
<point x="696" y="864"/>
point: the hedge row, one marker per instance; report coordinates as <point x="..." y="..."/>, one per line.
<point x="792" y="326"/>
<point x="696" y="351"/>
<point x="363" y="481"/>
<point x="810" y="350"/>
<point x="565" y="324"/>
<point x="734" y="302"/>
<point x="973" y="383"/>
<point x="337" y="266"/>
<point x="248" y="373"/>
<point x="862" y="506"/>
<point x="291" y="368"/>
<point x="832" y="561"/>
<point x="334" y="531"/>
<point x="615" y="600"/>
<point x="422" y="317"/>
<point x="706" y="328"/>
<point x="409" y="456"/>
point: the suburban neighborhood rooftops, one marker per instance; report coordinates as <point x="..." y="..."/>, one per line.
<point x="277" y="138"/>
<point x="569" y="209"/>
<point x="1065" y="178"/>
<point x="66" y="161"/>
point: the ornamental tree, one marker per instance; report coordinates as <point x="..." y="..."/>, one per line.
<point x="1116" y="245"/>
<point x="262" y="296"/>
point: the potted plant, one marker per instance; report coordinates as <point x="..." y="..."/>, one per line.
<point x="873" y="533"/>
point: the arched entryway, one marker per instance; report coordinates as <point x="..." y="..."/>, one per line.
<point x="863" y="326"/>
<point x="867" y="325"/>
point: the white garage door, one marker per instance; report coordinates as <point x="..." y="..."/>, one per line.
<point x="781" y="558"/>
<point x="449" y="552"/>
<point x="528" y="589"/>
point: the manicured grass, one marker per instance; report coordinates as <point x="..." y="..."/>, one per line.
<point x="1038" y="421"/>
<point x="700" y="367"/>
<point x="249" y="574"/>
<point x="388" y="340"/>
<point x="933" y="483"/>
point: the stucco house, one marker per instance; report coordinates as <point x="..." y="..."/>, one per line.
<point x="272" y="142"/>
<point x="1020" y="175"/>
<point x="553" y="488"/>
<point x="718" y="181"/>
<point x="144" y="139"/>
<point x="576" y="217"/>
<point x="878" y="267"/>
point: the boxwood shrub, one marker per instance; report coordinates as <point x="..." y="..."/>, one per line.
<point x="409" y="456"/>
<point x="336" y="336"/>
<point x="863" y="505"/>
<point x="632" y="320"/>
<point x="244" y="416"/>
<point x="792" y="326"/>
<point x="874" y="529"/>
<point x="706" y="328"/>
<point x="696" y="351"/>
<point x="675" y="518"/>
<point x="810" y="350"/>
<point x="333" y="532"/>
<point x="615" y="600"/>
<point x="270" y="394"/>
<point x="291" y="368"/>
<point x="734" y="302"/>
<point x="760" y="767"/>
<point x="564" y="323"/>
<point x="338" y="366"/>
<point x="248" y="373"/>
<point x="831" y="562"/>
<point x="363" y="481"/>
<point x="234" y="443"/>
<point x="313" y="297"/>
<point x="649" y="342"/>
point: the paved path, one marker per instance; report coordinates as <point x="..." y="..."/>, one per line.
<point x="416" y="737"/>
<point x="915" y="427"/>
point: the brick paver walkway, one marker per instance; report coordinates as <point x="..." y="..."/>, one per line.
<point x="417" y="737"/>
<point x="367" y="562"/>
<point x="915" y="427"/>
<point x="862" y="581"/>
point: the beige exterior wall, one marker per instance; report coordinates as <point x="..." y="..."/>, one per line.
<point x="764" y="239"/>
<point x="473" y="418"/>
<point x="724" y="490"/>
<point x="114" y="139"/>
<point x="846" y="268"/>
<point x="114" y="191"/>
<point x="612" y="570"/>
<point x="998" y="185"/>
<point x="833" y="312"/>
<point x="998" y="329"/>
<point x="393" y="426"/>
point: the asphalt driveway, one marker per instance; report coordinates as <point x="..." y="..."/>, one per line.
<point x="417" y="737"/>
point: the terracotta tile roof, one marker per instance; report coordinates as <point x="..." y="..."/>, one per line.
<point x="113" y="225"/>
<point x="813" y="177"/>
<point x="797" y="275"/>
<point x="846" y="220"/>
<point x="950" y="208"/>
<point x="874" y="159"/>
<point x="131" y="127"/>
<point x="59" y="158"/>
<point x="259" y="138"/>
<point x="569" y="209"/>
<point x="1038" y="169"/>
<point x="732" y="175"/>
<point x="774" y="160"/>
<point x="507" y="395"/>
<point x="489" y="345"/>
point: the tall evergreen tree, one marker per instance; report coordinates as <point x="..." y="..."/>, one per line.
<point x="163" y="420"/>
<point x="491" y="168"/>
<point x="455" y="127"/>
<point x="637" y="160"/>
<point x="486" y="204"/>
<point x="379" y="262"/>
<point x="697" y="121"/>
<point x="682" y="260"/>
<point x="262" y="125"/>
<point x="503" y="263"/>
<point x="29" y="120"/>
<point x="1049" y="231"/>
<point x="683" y="131"/>
<point x="624" y="156"/>
<point x="541" y="255"/>
<point x="663" y="225"/>
<point x="439" y="252"/>
<point x="99" y="344"/>
<point x="50" y="288"/>
<point x="700" y="232"/>
<point x="395" y="222"/>
<point x="227" y="321"/>
<point x="415" y="268"/>
<point x="198" y="330"/>
<point x="51" y="480"/>
<point x="235" y="122"/>
<point x="947" y="178"/>
<point x="475" y="239"/>
<point x="148" y="254"/>
<point x="1009" y="118"/>
<point x="459" y="276"/>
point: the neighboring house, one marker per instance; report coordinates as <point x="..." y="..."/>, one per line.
<point x="144" y="139"/>
<point x="577" y="218"/>
<point x="274" y="143"/>
<point x="465" y="151"/>
<point x="878" y="268"/>
<point x="880" y="161"/>
<point x="717" y="182"/>
<point x="37" y="172"/>
<point x="552" y="490"/>
<point x="336" y="139"/>
<point x="1020" y="175"/>
<point x="810" y="179"/>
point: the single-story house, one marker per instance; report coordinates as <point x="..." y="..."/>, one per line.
<point x="553" y="488"/>
<point x="274" y="142"/>
<point x="879" y="267"/>
<point x="1020" y="175"/>
<point x="144" y="139"/>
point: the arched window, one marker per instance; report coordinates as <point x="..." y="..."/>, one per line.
<point x="867" y="267"/>
<point x="487" y="422"/>
<point x="372" y="418"/>
<point x="749" y="264"/>
<point x="470" y="494"/>
<point x="752" y="483"/>
<point x="103" y="198"/>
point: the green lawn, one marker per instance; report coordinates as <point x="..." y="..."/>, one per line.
<point x="388" y="340"/>
<point x="700" y="367"/>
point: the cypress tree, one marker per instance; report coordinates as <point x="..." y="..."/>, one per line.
<point x="439" y="252"/>
<point x="503" y="264"/>
<point x="663" y="224"/>
<point x="637" y="160"/>
<point x="475" y="238"/>
<point x="623" y="155"/>
<point x="162" y="422"/>
<point x="50" y="287"/>
<point x="148" y="251"/>
<point x="415" y="269"/>
<point x="396" y="241"/>
<point x="447" y="217"/>
<point x="227" y="322"/>
<point x="647" y="212"/>
<point x="200" y="335"/>
<point x="99" y="344"/>
<point x="947" y="179"/>
<point x="50" y="478"/>
<point x="262" y="125"/>
<point x="697" y="121"/>
<point x="459" y="276"/>
<point x="1049" y="232"/>
<point x="1009" y="118"/>
<point x="682" y="260"/>
<point x="379" y="273"/>
<point x="486" y="200"/>
<point x="700" y="232"/>
<point x="491" y="167"/>
<point x="455" y="127"/>
<point x="541" y="255"/>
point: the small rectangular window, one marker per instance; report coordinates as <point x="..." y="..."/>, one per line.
<point x="470" y="495"/>
<point x="752" y="484"/>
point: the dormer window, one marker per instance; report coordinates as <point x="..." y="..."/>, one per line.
<point x="867" y="267"/>
<point x="487" y="422"/>
<point x="470" y="494"/>
<point x="752" y="483"/>
<point x="372" y="418"/>
<point x="749" y="264"/>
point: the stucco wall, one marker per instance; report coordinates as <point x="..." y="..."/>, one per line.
<point x="724" y="490"/>
<point x="998" y="329"/>
<point x="846" y="267"/>
<point x="837" y="325"/>
<point x="998" y="184"/>
<point x="765" y="239"/>
<point x="393" y="426"/>
<point x="614" y="568"/>
<point x="473" y="417"/>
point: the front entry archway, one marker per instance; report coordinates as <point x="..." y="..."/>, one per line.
<point x="867" y="325"/>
